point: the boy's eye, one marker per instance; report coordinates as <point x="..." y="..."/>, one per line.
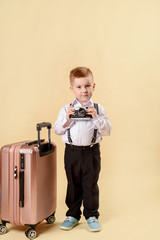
<point x="88" y="86"/>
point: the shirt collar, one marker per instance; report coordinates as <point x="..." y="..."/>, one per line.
<point x="87" y="104"/>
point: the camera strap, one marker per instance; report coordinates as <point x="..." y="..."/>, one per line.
<point x="94" y="133"/>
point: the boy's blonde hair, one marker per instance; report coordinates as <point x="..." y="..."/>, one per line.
<point x="79" y="72"/>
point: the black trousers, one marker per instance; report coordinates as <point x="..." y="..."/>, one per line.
<point x="82" y="165"/>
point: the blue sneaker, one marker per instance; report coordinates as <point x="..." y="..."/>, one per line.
<point x="69" y="223"/>
<point x="93" y="224"/>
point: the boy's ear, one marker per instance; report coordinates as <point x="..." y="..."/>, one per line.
<point x="94" y="86"/>
<point x="71" y="88"/>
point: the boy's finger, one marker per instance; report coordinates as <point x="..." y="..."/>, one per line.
<point x="90" y="107"/>
<point x="70" y="109"/>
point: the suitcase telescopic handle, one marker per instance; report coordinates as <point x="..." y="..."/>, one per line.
<point x="45" y="149"/>
<point x="39" y="128"/>
<point x="42" y="125"/>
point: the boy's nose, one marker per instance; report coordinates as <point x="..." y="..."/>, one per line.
<point x="84" y="89"/>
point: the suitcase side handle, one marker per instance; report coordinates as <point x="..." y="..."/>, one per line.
<point x="34" y="142"/>
<point x="45" y="148"/>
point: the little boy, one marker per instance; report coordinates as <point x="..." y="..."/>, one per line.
<point x="82" y="151"/>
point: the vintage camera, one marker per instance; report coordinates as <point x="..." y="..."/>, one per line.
<point x="80" y="114"/>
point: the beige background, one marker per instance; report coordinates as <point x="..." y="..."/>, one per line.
<point x="119" y="40"/>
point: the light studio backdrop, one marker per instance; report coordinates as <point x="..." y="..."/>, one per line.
<point x="119" y="40"/>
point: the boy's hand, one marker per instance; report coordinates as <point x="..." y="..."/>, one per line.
<point x="70" y="111"/>
<point x="91" y="110"/>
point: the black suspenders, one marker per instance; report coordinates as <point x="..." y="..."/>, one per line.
<point x="69" y="136"/>
<point x="95" y="130"/>
<point x="69" y="132"/>
<point x="94" y="133"/>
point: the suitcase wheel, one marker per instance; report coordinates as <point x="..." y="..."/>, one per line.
<point x="51" y="219"/>
<point x="31" y="233"/>
<point x="3" y="229"/>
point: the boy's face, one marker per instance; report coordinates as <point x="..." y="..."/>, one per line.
<point x="83" y="88"/>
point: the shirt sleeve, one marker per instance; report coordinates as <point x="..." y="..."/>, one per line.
<point x="102" y="122"/>
<point x="61" y="120"/>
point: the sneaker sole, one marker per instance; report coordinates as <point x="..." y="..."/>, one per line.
<point x="69" y="228"/>
<point x="94" y="230"/>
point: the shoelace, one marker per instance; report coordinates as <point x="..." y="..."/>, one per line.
<point x="68" y="219"/>
<point x="93" y="219"/>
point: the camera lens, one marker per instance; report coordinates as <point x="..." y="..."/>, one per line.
<point x="82" y="112"/>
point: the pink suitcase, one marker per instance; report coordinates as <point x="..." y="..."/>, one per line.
<point x="28" y="182"/>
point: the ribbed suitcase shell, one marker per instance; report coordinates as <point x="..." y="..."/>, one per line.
<point x="40" y="184"/>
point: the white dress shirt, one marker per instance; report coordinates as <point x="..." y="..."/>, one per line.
<point x="81" y="131"/>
